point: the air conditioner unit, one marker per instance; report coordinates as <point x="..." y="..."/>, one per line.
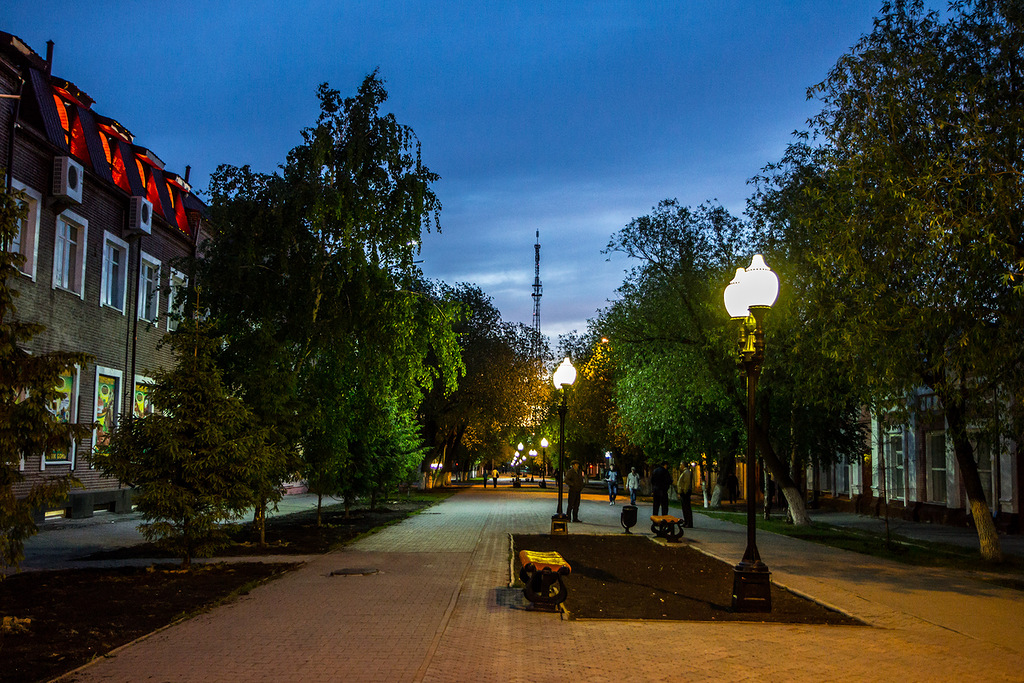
<point x="140" y="216"/>
<point x="67" y="179"/>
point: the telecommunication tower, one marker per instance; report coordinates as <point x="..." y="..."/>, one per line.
<point x="537" y="294"/>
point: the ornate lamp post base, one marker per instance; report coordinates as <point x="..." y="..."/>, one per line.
<point x="751" y="588"/>
<point x="559" y="525"/>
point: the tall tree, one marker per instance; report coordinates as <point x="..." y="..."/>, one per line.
<point x="313" y="268"/>
<point x="28" y="396"/>
<point x="902" y="209"/>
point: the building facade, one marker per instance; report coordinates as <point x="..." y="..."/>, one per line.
<point x="910" y="470"/>
<point x="107" y="231"/>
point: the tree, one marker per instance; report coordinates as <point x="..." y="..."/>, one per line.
<point x="28" y="396"/>
<point x="192" y="463"/>
<point x="498" y="395"/>
<point x="902" y="211"/>
<point x="312" y="268"/>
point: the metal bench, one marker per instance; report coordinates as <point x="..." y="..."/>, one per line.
<point x="542" y="575"/>
<point x="668" y="527"/>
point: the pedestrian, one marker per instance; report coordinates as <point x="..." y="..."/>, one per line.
<point x="574" y="480"/>
<point x="684" y="485"/>
<point x="494" y="474"/>
<point x="661" y="480"/>
<point x="732" y="484"/>
<point x="633" y="484"/>
<point x="613" y="484"/>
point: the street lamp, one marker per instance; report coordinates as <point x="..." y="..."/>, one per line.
<point x="563" y="378"/>
<point x="533" y="454"/>
<point x="747" y="299"/>
<point x="544" y="459"/>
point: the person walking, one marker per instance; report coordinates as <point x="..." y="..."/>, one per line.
<point x="574" y="480"/>
<point x="633" y="485"/>
<point x="661" y="480"/>
<point x="494" y="474"/>
<point x="613" y="484"/>
<point x="684" y="485"/>
<point x="732" y="485"/>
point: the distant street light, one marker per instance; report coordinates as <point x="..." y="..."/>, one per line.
<point x="747" y="299"/>
<point x="563" y="378"/>
<point x="544" y="458"/>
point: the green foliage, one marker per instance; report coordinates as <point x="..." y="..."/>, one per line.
<point x="331" y="332"/>
<point x="193" y="463"/>
<point x="901" y="216"/>
<point x="499" y="394"/>
<point x="28" y="392"/>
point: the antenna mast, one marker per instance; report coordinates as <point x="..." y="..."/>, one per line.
<point x="537" y="294"/>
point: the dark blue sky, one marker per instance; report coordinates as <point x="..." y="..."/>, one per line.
<point x="567" y="117"/>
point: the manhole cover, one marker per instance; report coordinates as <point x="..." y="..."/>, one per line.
<point x="354" y="571"/>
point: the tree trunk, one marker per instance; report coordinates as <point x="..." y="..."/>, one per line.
<point x="988" y="537"/>
<point x="319" y="507"/>
<point x="778" y="469"/>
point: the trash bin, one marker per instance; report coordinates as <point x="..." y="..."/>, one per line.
<point x="628" y="517"/>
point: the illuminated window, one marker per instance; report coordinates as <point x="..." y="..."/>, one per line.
<point x="69" y="253"/>
<point x="142" y="404"/>
<point x="62" y="112"/>
<point x="26" y="240"/>
<point x="149" y="288"/>
<point x="114" y="279"/>
<point x="64" y="408"/>
<point x="107" y="404"/>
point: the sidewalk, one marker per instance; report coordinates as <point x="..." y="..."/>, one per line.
<point x="440" y="609"/>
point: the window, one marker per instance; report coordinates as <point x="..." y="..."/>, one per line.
<point x="65" y="409"/>
<point x="149" y="288"/>
<point x="894" y="462"/>
<point x="935" y="454"/>
<point x="114" y="280"/>
<point x="142" y="405"/>
<point x="107" y="404"/>
<point x="25" y="241"/>
<point x="69" y="253"/>
<point x="982" y="444"/>
<point x="175" y="299"/>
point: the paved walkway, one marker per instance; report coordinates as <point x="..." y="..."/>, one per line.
<point x="440" y="609"/>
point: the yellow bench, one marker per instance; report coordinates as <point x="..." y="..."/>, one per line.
<point x="668" y="527"/>
<point x="542" y="575"/>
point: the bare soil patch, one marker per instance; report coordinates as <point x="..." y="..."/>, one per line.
<point x="632" y="577"/>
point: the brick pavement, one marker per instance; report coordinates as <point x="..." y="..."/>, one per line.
<point x="440" y="609"/>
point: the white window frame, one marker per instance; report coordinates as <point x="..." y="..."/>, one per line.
<point x="109" y="239"/>
<point x="118" y="391"/>
<point x="76" y="393"/>
<point x="148" y="260"/>
<point x="176" y="282"/>
<point x="78" y="285"/>
<point x="30" y="230"/>
<point x="936" y="473"/>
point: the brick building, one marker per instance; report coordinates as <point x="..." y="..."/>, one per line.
<point x="106" y="227"/>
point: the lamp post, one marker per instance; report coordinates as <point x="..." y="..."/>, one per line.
<point x="533" y="454"/>
<point x="747" y="299"/>
<point x="563" y="378"/>
<point x="544" y="462"/>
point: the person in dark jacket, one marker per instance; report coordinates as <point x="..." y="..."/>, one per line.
<point x="574" y="480"/>
<point x="661" y="480"/>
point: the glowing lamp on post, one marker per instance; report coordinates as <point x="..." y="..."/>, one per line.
<point x="544" y="460"/>
<point x="563" y="378"/>
<point x="747" y="300"/>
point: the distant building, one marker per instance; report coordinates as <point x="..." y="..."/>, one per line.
<point x="912" y="467"/>
<point x="106" y="224"/>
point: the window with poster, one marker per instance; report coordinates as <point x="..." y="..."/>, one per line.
<point x="142" y="404"/>
<point x="64" y="408"/>
<point x="107" y="404"/>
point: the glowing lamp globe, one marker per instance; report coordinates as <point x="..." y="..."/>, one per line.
<point x="565" y="375"/>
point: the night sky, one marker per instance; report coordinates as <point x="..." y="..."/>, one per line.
<point x="570" y="118"/>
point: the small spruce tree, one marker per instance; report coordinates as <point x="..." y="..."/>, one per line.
<point x="194" y="462"/>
